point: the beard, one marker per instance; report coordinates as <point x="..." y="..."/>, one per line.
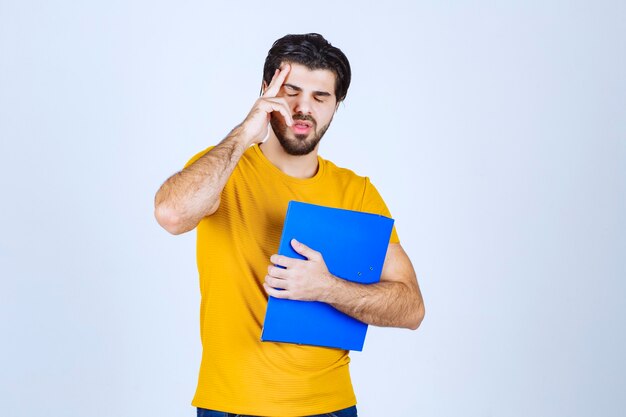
<point x="297" y="144"/>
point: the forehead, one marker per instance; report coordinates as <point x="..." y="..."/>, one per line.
<point x="313" y="80"/>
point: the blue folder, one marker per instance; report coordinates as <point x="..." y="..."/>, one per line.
<point x="354" y="245"/>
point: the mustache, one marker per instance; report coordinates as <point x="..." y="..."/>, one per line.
<point x="306" y="117"/>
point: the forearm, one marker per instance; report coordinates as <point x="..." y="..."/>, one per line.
<point x="193" y="193"/>
<point x="389" y="303"/>
<point x="395" y="301"/>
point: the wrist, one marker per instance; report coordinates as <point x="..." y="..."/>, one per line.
<point x="240" y="136"/>
<point x="328" y="294"/>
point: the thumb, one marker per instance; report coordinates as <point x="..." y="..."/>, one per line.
<point x="304" y="250"/>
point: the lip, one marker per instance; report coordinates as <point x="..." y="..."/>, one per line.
<point x="301" y="127"/>
<point x="302" y="124"/>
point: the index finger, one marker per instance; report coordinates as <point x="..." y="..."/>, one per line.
<point x="277" y="82"/>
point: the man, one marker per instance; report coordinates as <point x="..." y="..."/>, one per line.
<point x="236" y="194"/>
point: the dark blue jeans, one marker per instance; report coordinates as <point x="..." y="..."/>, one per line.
<point x="346" y="412"/>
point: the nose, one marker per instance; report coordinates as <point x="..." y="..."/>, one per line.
<point x="303" y="104"/>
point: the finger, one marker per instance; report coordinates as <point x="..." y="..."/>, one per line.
<point x="277" y="272"/>
<point x="283" y="109"/>
<point x="285" y="261"/>
<point x="305" y="251"/>
<point x="277" y="82"/>
<point x="265" y="86"/>
<point x="277" y="283"/>
<point x="274" y="292"/>
<point x="279" y="105"/>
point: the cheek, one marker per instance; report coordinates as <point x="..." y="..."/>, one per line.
<point x="325" y="116"/>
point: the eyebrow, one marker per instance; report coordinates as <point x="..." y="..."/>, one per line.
<point x="317" y="93"/>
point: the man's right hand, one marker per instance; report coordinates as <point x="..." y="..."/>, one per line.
<point x="188" y="196"/>
<point x="255" y="126"/>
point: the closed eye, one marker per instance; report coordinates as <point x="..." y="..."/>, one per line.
<point x="316" y="98"/>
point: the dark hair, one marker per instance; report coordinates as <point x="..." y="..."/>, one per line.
<point x="312" y="51"/>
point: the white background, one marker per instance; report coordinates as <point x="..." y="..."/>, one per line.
<point x="495" y="131"/>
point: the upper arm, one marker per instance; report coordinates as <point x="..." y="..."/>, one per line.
<point x="398" y="267"/>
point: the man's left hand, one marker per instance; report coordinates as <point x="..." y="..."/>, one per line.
<point x="299" y="279"/>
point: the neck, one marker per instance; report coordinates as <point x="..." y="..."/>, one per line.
<point x="298" y="166"/>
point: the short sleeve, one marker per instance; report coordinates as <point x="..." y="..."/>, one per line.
<point x="198" y="156"/>
<point x="374" y="203"/>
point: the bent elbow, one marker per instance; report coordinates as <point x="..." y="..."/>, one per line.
<point x="170" y="220"/>
<point x="417" y="318"/>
